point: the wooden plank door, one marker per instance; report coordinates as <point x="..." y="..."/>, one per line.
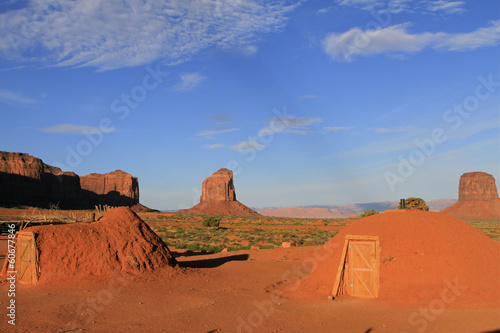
<point x="362" y="275"/>
<point x="26" y="258"/>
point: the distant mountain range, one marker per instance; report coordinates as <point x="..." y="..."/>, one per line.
<point x="343" y="211"/>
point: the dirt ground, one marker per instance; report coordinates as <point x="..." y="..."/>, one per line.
<point x="222" y="292"/>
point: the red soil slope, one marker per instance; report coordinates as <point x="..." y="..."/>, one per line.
<point x="475" y="210"/>
<point x="220" y="207"/>
<point x="422" y="254"/>
<point x="119" y="242"/>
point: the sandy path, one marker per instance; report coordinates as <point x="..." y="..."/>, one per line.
<point x="228" y="295"/>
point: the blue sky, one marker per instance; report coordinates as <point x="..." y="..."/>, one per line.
<point x="310" y="102"/>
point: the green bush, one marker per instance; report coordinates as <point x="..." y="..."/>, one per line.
<point x="369" y="212"/>
<point x="211" y="221"/>
<point x="415" y="203"/>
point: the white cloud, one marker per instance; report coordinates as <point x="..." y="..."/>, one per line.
<point x="298" y="125"/>
<point x="324" y="10"/>
<point x="189" y="81"/>
<point x="76" y="129"/>
<point x="446" y="6"/>
<point x="338" y="128"/>
<point x="397" y="40"/>
<point x="216" y="131"/>
<point x="11" y="96"/>
<point x="125" y="33"/>
<point x="395" y="129"/>
<point x="399" y="6"/>
<point x="308" y="96"/>
<point x="221" y="118"/>
<point x="488" y="36"/>
<point x="215" y="146"/>
<point x="248" y="146"/>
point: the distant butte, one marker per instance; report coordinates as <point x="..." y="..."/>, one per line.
<point x="218" y="196"/>
<point x="26" y="180"/>
<point x="477" y="198"/>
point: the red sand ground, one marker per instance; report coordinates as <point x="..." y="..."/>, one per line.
<point x="420" y="251"/>
<point x="227" y="292"/>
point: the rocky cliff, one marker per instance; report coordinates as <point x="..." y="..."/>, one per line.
<point x="116" y="188"/>
<point x="26" y="180"/>
<point x="477" y="198"/>
<point x="218" y="196"/>
<point x="218" y="187"/>
<point x="477" y="186"/>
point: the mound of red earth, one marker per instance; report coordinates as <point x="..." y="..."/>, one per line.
<point x="477" y="198"/>
<point x="424" y="256"/>
<point x="218" y="196"/>
<point x="120" y="242"/>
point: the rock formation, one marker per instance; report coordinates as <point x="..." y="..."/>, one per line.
<point x="218" y="187"/>
<point x="116" y="188"/>
<point x="477" y="198"/>
<point x="477" y="186"/>
<point x="26" y="180"/>
<point x="218" y="196"/>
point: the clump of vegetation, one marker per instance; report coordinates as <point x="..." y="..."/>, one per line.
<point x="415" y="203"/>
<point x="211" y="221"/>
<point x="369" y="212"/>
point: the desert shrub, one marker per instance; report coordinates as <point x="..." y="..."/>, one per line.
<point x="369" y="212"/>
<point x="415" y="203"/>
<point x="210" y="221"/>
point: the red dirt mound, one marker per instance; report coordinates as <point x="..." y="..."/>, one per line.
<point x="423" y="256"/>
<point x="119" y="242"/>
<point x="220" y="207"/>
<point x="475" y="210"/>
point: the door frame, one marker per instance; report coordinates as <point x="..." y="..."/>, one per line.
<point x="30" y="277"/>
<point x="339" y="284"/>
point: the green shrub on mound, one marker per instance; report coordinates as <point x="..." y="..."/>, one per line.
<point x="415" y="203"/>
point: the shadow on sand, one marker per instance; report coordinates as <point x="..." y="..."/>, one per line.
<point x="212" y="262"/>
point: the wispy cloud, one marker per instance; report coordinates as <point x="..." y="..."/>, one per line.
<point x="221" y="118"/>
<point x="115" y="34"/>
<point x="397" y="40"/>
<point x="221" y="123"/>
<point x="395" y="129"/>
<point x="399" y="6"/>
<point x="189" y="81"/>
<point x="338" y="128"/>
<point x="216" y="131"/>
<point x="215" y="146"/>
<point x="76" y="129"/>
<point x="308" y="96"/>
<point x="446" y="6"/>
<point x="248" y="146"/>
<point x="297" y="125"/>
<point x="324" y="10"/>
<point x="10" y="96"/>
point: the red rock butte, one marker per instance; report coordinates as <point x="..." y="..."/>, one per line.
<point x="218" y="196"/>
<point x="27" y="180"/>
<point x="477" y="198"/>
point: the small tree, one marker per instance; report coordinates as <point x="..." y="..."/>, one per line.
<point x="210" y="221"/>
<point x="415" y="203"/>
<point x="369" y="212"/>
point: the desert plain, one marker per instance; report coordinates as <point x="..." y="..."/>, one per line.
<point x="237" y="290"/>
